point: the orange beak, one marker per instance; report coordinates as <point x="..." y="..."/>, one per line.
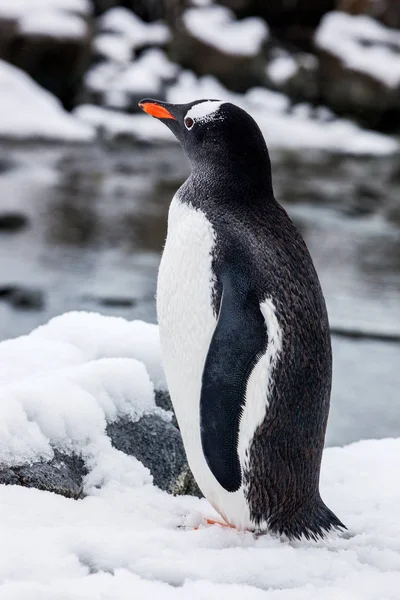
<point x="155" y="110"/>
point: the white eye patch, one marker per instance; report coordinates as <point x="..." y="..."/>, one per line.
<point x="204" y="111"/>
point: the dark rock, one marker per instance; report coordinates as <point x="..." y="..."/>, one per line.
<point x="158" y="445"/>
<point x="23" y="298"/>
<point x="148" y="10"/>
<point x="292" y="22"/>
<point x="63" y="475"/>
<point x="47" y="477"/>
<point x="8" y="477"/>
<point x="13" y="221"/>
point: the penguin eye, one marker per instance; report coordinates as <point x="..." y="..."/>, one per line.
<point x="188" y="123"/>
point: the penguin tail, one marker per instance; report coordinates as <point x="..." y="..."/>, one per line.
<point x="312" y="521"/>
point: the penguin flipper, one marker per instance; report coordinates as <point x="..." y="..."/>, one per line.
<point x="239" y="338"/>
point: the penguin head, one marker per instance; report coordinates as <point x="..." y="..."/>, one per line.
<point x="215" y="135"/>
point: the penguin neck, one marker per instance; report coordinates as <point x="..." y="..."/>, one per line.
<point x="233" y="182"/>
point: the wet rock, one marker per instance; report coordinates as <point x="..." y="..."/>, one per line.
<point x="23" y="298"/>
<point x="211" y="42"/>
<point x="13" y="221"/>
<point x="359" y="72"/>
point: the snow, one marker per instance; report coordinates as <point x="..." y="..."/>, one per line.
<point x="55" y="24"/>
<point x="136" y="32"/>
<point x="217" y="26"/>
<point x="282" y="128"/>
<point x="58" y="388"/>
<point x="28" y="111"/>
<point x="55" y="18"/>
<point x="362" y="44"/>
<point x="63" y="382"/>
<point x="146" y="76"/>
<point x="113" y="47"/>
<point x="281" y="69"/>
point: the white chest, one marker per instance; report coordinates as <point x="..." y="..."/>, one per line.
<point x="187" y="324"/>
<point x="184" y="309"/>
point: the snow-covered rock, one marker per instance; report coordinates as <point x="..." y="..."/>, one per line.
<point x="293" y="74"/>
<point x="121" y="85"/>
<point x="216" y="26"/>
<point x="78" y="391"/>
<point x="359" y="65"/>
<point x="211" y="41"/>
<point x="122" y="22"/>
<point x="49" y="39"/>
<point x="29" y="112"/>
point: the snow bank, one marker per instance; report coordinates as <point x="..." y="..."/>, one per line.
<point x="54" y="18"/>
<point x="28" y="111"/>
<point x="61" y="385"/>
<point x="218" y="27"/>
<point x="58" y="387"/>
<point x="362" y="44"/>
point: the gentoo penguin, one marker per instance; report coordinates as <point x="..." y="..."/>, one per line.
<point x="244" y="329"/>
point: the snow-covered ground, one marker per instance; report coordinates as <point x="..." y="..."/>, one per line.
<point x="28" y="111"/>
<point x="127" y="539"/>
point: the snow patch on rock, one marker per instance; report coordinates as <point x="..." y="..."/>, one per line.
<point x="217" y="26"/>
<point x="28" y="111"/>
<point x="53" y="18"/>
<point x="62" y="384"/>
<point x="362" y="44"/>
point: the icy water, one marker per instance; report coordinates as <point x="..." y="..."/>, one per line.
<point x="82" y="228"/>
